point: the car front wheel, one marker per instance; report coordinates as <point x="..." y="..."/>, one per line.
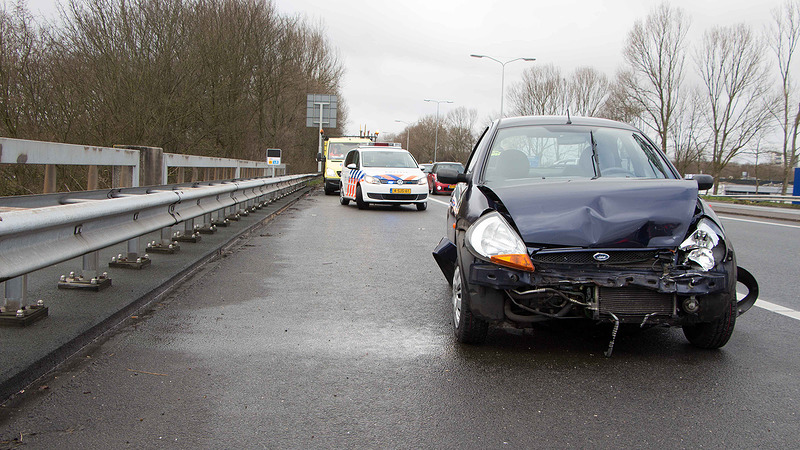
<point x="422" y="206"/>
<point x="713" y="334"/>
<point x="468" y="328"/>
<point x="360" y="199"/>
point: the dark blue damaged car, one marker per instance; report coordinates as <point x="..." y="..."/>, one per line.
<point x="559" y="218"/>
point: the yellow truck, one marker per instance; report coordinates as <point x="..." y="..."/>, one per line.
<point x="333" y="153"/>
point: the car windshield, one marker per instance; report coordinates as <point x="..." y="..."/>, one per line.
<point x="337" y="150"/>
<point x="455" y="166"/>
<point x="387" y="159"/>
<point x="567" y="151"/>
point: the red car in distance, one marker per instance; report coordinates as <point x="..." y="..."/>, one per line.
<point x="434" y="186"/>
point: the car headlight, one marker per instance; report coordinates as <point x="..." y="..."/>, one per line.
<point x="702" y="247"/>
<point x="422" y="180"/>
<point x="491" y="238"/>
<point x="371" y="180"/>
<point x="330" y="172"/>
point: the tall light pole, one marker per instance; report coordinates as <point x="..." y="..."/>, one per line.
<point x="502" y="75"/>
<point x="436" y="138"/>
<point x="408" y="132"/>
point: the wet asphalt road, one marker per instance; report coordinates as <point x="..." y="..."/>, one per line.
<point x="330" y="328"/>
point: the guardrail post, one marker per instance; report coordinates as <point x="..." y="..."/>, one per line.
<point x="191" y="233"/>
<point x="91" y="179"/>
<point x="49" y="179"/>
<point x="221" y="220"/>
<point x="15" y="310"/>
<point x="167" y="244"/>
<point x="131" y="260"/>
<point x="88" y="279"/>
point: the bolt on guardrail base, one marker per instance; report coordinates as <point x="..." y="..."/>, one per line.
<point x="74" y="281"/>
<point x="162" y="247"/>
<point x="220" y="223"/>
<point x="123" y="262"/>
<point x="185" y="237"/>
<point x="211" y="229"/>
<point x="23" y="316"/>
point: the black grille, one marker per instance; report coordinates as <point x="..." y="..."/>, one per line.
<point x="635" y="301"/>
<point x="402" y="197"/>
<point x="631" y="259"/>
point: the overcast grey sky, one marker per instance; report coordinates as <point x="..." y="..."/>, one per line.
<point x="398" y="53"/>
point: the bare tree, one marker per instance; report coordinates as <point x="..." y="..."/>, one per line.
<point x="542" y="90"/>
<point x="620" y="105"/>
<point x="688" y="138"/>
<point x="460" y="123"/>
<point x="731" y="65"/>
<point x="783" y="36"/>
<point x="655" y="51"/>
<point x="587" y="90"/>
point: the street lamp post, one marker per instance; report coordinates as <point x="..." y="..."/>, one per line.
<point x="436" y="134"/>
<point x="502" y="75"/>
<point x="408" y="132"/>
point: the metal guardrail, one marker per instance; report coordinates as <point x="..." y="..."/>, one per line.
<point x="58" y="227"/>
<point x="31" y="239"/>
<point x="50" y="154"/>
<point x="37" y="231"/>
<point x="763" y="197"/>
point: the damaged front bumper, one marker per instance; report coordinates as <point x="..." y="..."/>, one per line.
<point x="663" y="295"/>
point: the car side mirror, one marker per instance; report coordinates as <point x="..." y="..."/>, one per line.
<point x="450" y="176"/>
<point x="319" y="157"/>
<point x="352" y="166"/>
<point x="704" y="181"/>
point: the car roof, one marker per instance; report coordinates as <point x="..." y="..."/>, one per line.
<point x="563" y="120"/>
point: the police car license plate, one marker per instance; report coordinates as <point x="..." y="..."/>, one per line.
<point x="399" y="191"/>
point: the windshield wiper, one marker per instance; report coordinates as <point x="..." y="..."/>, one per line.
<point x="595" y="158"/>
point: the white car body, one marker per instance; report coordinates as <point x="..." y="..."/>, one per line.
<point x="382" y="174"/>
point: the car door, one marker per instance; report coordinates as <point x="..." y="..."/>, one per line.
<point x="348" y="186"/>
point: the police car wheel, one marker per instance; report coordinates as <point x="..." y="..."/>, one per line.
<point x="422" y="206"/>
<point x="342" y="200"/>
<point x="360" y="199"/>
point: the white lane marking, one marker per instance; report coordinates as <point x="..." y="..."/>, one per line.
<point x="447" y="203"/>
<point x="759" y="222"/>
<point x="777" y="309"/>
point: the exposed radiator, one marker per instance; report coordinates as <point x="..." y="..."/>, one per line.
<point x="635" y="301"/>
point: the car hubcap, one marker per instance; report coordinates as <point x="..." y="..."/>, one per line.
<point x="457" y="297"/>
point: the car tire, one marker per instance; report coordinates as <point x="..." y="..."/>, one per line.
<point x="342" y="200"/>
<point x="422" y="206"/>
<point x="468" y="328"/>
<point x="328" y="190"/>
<point x="713" y="334"/>
<point x="360" y="199"/>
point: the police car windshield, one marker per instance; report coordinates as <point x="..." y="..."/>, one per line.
<point x="387" y="159"/>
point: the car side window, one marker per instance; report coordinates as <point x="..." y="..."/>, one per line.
<point x="472" y="162"/>
<point x="352" y="157"/>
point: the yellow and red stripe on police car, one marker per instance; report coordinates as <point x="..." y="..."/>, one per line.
<point x="355" y="177"/>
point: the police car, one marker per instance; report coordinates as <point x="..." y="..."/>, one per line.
<point x="382" y="173"/>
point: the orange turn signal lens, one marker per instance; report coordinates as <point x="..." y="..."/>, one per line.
<point x="515" y="261"/>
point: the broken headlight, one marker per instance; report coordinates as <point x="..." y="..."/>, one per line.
<point x="491" y="238"/>
<point x="705" y="246"/>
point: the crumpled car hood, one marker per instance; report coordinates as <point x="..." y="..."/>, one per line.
<point x="627" y="213"/>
